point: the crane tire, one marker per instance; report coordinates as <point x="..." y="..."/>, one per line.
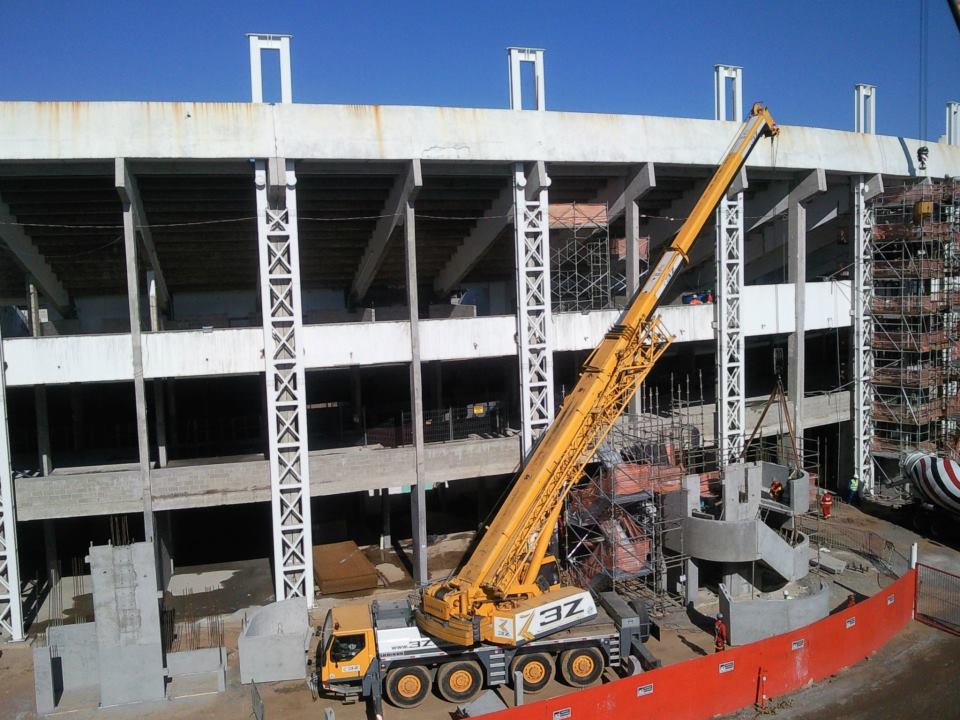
<point x="459" y="681"/>
<point x="407" y="687"/>
<point x="580" y="667"/>
<point x="536" y="668"/>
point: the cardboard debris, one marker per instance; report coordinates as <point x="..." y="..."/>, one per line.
<point x="342" y="567"/>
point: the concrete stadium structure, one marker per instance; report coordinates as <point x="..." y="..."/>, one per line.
<point x="171" y="258"/>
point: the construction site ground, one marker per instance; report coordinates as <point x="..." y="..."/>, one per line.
<point x="913" y="676"/>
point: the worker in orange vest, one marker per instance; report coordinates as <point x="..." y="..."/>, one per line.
<point x="719" y="634"/>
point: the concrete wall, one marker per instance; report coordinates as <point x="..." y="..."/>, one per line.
<point x="206" y="661"/>
<point x="274" y="642"/>
<point x="239" y="351"/>
<point x="127" y="623"/>
<point x="752" y="620"/>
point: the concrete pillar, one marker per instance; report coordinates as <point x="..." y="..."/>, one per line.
<point x="170" y="405"/>
<point x="161" y="422"/>
<point x="52" y="561"/>
<point x="796" y="355"/>
<point x="356" y="395"/>
<point x="693" y="582"/>
<point x="385" y="532"/>
<point x="44" y="458"/>
<point x="76" y="415"/>
<point x="139" y="389"/>
<point x="418" y="500"/>
<point x="436" y="377"/>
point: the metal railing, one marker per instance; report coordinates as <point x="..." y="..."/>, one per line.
<point x="865" y="543"/>
<point x="445" y="425"/>
<point x="938" y="598"/>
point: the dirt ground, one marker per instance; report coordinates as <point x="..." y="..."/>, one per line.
<point x="913" y="676"/>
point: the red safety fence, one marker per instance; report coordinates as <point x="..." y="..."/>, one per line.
<point x="735" y="679"/>
<point x="938" y="598"/>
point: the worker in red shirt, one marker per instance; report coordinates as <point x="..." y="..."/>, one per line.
<point x="719" y="634"/>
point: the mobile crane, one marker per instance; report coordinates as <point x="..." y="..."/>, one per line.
<point x="506" y="605"/>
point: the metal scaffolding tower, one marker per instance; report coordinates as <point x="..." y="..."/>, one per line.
<point x="580" y="271"/>
<point x="914" y="307"/>
<point x="285" y="384"/>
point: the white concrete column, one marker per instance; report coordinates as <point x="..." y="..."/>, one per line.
<point x="11" y="607"/>
<point x="275" y="183"/>
<point x="418" y="498"/>
<point x="133" y="302"/>
<point x="812" y="184"/>
<point x="534" y="313"/>
<point x="44" y="460"/>
<point x="864" y="189"/>
<point x="865" y="108"/>
<point x="515" y="57"/>
<point x="952" y="127"/>
<point x="258" y="43"/>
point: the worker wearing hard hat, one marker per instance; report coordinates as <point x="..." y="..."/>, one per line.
<point x="719" y="634"/>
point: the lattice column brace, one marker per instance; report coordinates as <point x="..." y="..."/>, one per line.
<point x="731" y="381"/>
<point x="285" y="384"/>
<point x="534" y="324"/>
<point x="11" y="608"/>
<point x="862" y="325"/>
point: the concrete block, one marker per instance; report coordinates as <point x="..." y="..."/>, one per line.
<point x="76" y="646"/>
<point x="273" y="643"/>
<point x="132" y="674"/>
<point x="44" y="683"/>
<point x="206" y="661"/>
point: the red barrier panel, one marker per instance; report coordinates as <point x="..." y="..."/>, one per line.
<point x="728" y="681"/>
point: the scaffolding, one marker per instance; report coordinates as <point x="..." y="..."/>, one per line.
<point x="615" y="533"/>
<point x="914" y="311"/>
<point x="580" y="268"/>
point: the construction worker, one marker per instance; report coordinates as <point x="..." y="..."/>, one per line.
<point x="776" y="491"/>
<point x="851" y="601"/>
<point x="719" y="634"/>
<point x="854" y="486"/>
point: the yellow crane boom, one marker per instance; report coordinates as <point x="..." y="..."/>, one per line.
<point x="501" y="576"/>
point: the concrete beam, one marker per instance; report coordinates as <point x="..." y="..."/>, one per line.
<point x="633" y="187"/>
<point x="26" y="253"/>
<point x="777" y="203"/>
<point x="477" y="242"/>
<point x="405" y="189"/>
<point x="129" y="193"/>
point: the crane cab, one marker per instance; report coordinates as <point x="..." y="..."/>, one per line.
<point x="348" y="647"/>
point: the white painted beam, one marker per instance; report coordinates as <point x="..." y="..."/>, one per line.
<point x="405" y="189"/>
<point x="26" y="253"/>
<point x="129" y="193"/>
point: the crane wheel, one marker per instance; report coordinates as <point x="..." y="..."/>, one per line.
<point x="407" y="687"/>
<point x="580" y="667"/>
<point x="459" y="681"/>
<point x="536" y="668"/>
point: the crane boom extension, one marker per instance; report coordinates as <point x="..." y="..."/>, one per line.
<point x="501" y="579"/>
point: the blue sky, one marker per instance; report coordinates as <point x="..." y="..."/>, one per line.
<point x="801" y="58"/>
